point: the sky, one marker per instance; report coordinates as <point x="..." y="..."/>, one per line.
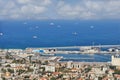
<point x="59" y="9"/>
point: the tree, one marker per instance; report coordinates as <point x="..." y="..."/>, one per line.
<point x="21" y="71"/>
<point x="87" y="69"/>
<point x="3" y="70"/>
<point x="26" y="76"/>
<point x="99" y="78"/>
<point x="117" y="71"/>
<point x="113" y="67"/>
<point x="7" y="57"/>
<point x="11" y="70"/>
<point x="30" y="70"/>
<point x="46" y="63"/>
<point x="39" y="62"/>
<point x="0" y="58"/>
<point x="60" y="76"/>
<point x="23" y="60"/>
<point x="14" y="61"/>
<point x="3" y="78"/>
<point x="8" y="65"/>
<point x="34" y="79"/>
<point x="53" y="78"/>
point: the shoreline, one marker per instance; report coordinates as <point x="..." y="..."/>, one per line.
<point x="108" y="45"/>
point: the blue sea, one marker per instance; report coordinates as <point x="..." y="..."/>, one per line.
<point x="52" y="33"/>
<point x="85" y="57"/>
<point x="56" y="33"/>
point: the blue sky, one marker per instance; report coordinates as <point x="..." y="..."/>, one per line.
<point x="59" y="9"/>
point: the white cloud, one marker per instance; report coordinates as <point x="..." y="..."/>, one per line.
<point x="90" y="9"/>
<point x="59" y="9"/>
<point x="46" y="2"/>
<point x="37" y="2"/>
<point x="23" y="1"/>
<point x="75" y="12"/>
<point x="31" y="9"/>
<point x="23" y="9"/>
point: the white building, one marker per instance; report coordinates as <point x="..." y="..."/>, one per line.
<point x="71" y="64"/>
<point x="50" y="68"/>
<point x="115" y="60"/>
<point x="89" y="49"/>
<point x="114" y="50"/>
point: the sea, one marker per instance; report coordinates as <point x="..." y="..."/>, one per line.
<point x="85" y="57"/>
<point x="58" y="33"/>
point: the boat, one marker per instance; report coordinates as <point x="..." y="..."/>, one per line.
<point x="35" y="37"/>
<point x="1" y="34"/>
<point x="74" y="33"/>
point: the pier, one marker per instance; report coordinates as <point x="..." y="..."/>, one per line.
<point x="78" y="49"/>
<point x="80" y="52"/>
<point x="78" y="58"/>
<point x="98" y="46"/>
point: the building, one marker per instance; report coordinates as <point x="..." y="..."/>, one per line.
<point x="114" y="50"/>
<point x="90" y="49"/>
<point x="50" y="68"/>
<point x="115" y="60"/>
<point x="71" y="64"/>
<point x="44" y="50"/>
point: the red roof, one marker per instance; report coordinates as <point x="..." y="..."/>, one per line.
<point x="42" y="78"/>
<point x="56" y="73"/>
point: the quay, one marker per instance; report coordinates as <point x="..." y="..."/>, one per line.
<point x="80" y="52"/>
<point x="78" y="58"/>
<point x="111" y="49"/>
<point x="99" y="46"/>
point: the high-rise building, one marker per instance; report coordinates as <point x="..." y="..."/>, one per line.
<point x="115" y="60"/>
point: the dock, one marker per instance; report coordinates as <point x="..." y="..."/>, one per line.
<point x="99" y="46"/>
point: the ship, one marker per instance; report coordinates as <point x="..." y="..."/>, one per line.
<point x="90" y="50"/>
<point x="44" y="52"/>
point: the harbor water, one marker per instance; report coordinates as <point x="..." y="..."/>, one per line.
<point x="85" y="57"/>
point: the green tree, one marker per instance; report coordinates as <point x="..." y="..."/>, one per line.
<point x="3" y="78"/>
<point x="27" y="77"/>
<point x="30" y="70"/>
<point x="3" y="70"/>
<point x="112" y="67"/>
<point x="23" y="61"/>
<point x="0" y="64"/>
<point x="87" y="69"/>
<point x="8" y="65"/>
<point x="46" y="63"/>
<point x="0" y="58"/>
<point x="11" y="70"/>
<point x="117" y="71"/>
<point x="39" y="62"/>
<point x="53" y="78"/>
<point x="34" y="79"/>
<point x="99" y="78"/>
<point x="60" y="76"/>
<point x="7" y="57"/>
